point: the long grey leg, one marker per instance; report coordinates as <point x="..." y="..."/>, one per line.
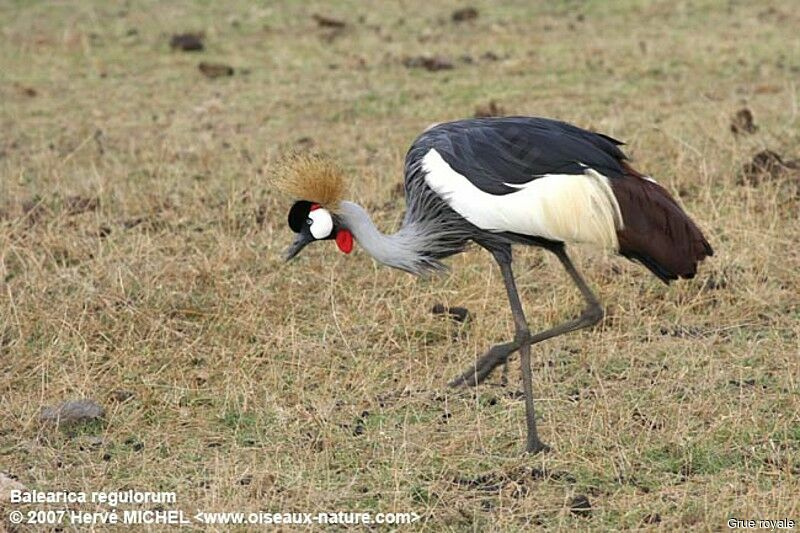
<point x="522" y="337"/>
<point x="499" y="354"/>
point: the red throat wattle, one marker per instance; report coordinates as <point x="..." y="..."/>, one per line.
<point x="344" y="240"/>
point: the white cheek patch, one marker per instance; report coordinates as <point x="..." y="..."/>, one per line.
<point x="321" y="223"/>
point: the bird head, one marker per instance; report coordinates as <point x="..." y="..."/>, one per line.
<point x="318" y="187"/>
<point x="312" y="222"/>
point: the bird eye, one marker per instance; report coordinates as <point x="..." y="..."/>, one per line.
<point x="309" y="221"/>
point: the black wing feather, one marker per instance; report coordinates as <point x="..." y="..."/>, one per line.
<point x="491" y="152"/>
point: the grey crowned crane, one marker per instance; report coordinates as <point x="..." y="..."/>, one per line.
<point x="501" y="182"/>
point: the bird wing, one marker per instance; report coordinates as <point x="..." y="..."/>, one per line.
<point x="528" y="176"/>
<point x="497" y="153"/>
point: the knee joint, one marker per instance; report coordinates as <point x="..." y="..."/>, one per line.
<point x="522" y="336"/>
<point x="593" y="314"/>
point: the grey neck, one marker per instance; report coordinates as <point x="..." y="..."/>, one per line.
<point x="402" y="250"/>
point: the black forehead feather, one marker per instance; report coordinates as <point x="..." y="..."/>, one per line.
<point x="298" y="215"/>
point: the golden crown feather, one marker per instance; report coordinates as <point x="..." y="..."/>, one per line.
<point x="312" y="177"/>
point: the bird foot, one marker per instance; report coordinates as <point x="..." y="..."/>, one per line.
<point x="496" y="356"/>
<point x="536" y="447"/>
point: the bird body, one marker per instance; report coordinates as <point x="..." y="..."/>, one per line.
<point x="501" y="182"/>
<point x="538" y="178"/>
<point x="574" y="208"/>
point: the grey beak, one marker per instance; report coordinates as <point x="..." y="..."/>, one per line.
<point x="299" y="243"/>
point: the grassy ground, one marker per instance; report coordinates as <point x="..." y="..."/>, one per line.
<point x="140" y="252"/>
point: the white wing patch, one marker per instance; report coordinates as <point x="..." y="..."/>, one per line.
<point x="574" y="208"/>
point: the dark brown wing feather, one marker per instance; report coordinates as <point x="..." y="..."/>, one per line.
<point x="657" y="232"/>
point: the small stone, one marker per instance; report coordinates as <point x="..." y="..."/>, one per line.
<point x="120" y="395"/>
<point x="652" y="518"/>
<point x="580" y="506"/>
<point x="7" y="484"/>
<point x="187" y="42"/>
<point x="27" y="91"/>
<point x="458" y="314"/>
<point x="72" y="412"/>
<point x="464" y="14"/>
<point x="305" y="143"/>
<point x="742" y="122"/>
<point x="328" y="22"/>
<point x="215" y="70"/>
<point x="767" y="165"/>
<point x="490" y="109"/>
<point x="430" y="63"/>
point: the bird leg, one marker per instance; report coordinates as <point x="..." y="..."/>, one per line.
<point x="496" y="356"/>
<point x="522" y="337"/>
<point x="499" y="354"/>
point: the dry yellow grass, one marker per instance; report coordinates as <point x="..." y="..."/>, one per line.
<point x="320" y="385"/>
